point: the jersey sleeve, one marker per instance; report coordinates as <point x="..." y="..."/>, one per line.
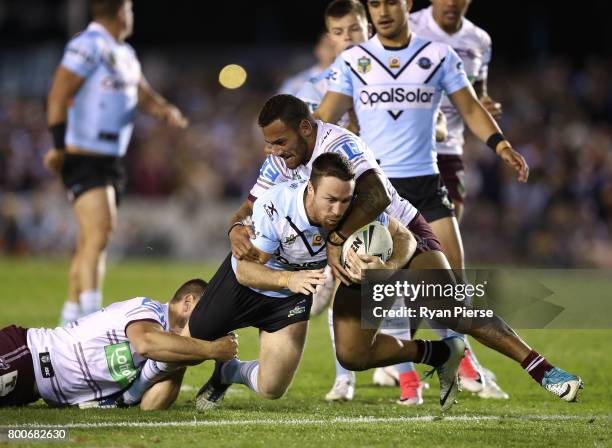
<point x="453" y="74"/>
<point x="357" y="154"/>
<point x="340" y="77"/>
<point x="146" y="309"/>
<point x="270" y="174"/>
<point x="383" y="218"/>
<point x="81" y="55"/>
<point x="265" y="212"/>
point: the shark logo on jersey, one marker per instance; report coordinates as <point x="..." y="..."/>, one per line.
<point x="364" y="65"/>
<point x="270" y="210"/>
<point x="394" y="62"/>
<point x="424" y="63"/>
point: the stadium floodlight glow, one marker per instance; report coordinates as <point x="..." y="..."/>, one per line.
<point x="232" y="76"/>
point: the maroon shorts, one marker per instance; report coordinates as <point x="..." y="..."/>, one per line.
<point x="17" y="381"/>
<point x="426" y="240"/>
<point x="453" y="175"/>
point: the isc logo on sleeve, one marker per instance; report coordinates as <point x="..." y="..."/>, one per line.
<point x="397" y="97"/>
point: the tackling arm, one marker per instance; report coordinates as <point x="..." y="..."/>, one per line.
<point x="152" y="342"/>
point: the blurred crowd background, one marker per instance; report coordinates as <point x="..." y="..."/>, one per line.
<point x="183" y="185"/>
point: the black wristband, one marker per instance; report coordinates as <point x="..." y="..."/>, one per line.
<point x="58" y="133"/>
<point x="494" y="140"/>
<point x="239" y="223"/>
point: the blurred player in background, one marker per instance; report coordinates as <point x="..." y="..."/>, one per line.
<point x="444" y="21"/>
<point x="91" y="107"/>
<point x="92" y="359"/>
<point x="324" y="53"/>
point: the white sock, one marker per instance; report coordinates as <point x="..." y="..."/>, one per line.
<point x="152" y="372"/>
<point x="70" y="312"/>
<point x="91" y="301"/>
<point x="241" y="372"/>
<point x="340" y="371"/>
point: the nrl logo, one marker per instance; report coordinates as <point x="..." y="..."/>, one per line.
<point x="290" y="239"/>
<point x="364" y="65"/>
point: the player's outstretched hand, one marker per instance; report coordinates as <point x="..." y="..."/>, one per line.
<point x="493" y="107"/>
<point x="242" y="247"/>
<point x="225" y="348"/>
<point x="54" y="161"/>
<point x="174" y="117"/>
<point x="516" y="161"/>
<point x="357" y="264"/>
<point x="334" y="260"/>
<point x="306" y="282"/>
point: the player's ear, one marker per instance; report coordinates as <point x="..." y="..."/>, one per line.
<point x="305" y="128"/>
<point x="408" y="5"/>
<point x="310" y="188"/>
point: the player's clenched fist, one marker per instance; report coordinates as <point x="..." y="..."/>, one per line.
<point x="226" y="348"/>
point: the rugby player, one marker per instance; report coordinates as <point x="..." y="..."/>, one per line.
<point x="296" y="140"/>
<point x="91" y="106"/>
<point x="444" y="21"/>
<point x="92" y="359"/>
<point x="347" y="24"/>
<point x="292" y="221"/>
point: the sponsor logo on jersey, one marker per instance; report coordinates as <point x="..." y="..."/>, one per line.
<point x="120" y="363"/>
<point x="317" y="240"/>
<point x="397" y="97"/>
<point x="269" y="170"/>
<point x="46" y="368"/>
<point x="394" y="62"/>
<point x="290" y="240"/>
<point x="4" y="365"/>
<point x="270" y="210"/>
<point x="424" y="63"/>
<point x="157" y="308"/>
<point x="364" y="65"/>
<point x="349" y="149"/>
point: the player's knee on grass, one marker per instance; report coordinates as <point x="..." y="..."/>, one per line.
<point x="272" y="392"/>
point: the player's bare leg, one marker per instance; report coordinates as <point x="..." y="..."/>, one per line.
<point x="447" y="232"/>
<point x="96" y="213"/>
<point x="162" y="395"/>
<point x="459" y="207"/>
<point x="269" y="376"/>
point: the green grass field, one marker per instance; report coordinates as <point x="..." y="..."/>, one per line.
<point x="31" y="294"/>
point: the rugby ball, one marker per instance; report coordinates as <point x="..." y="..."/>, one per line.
<point x="372" y="239"/>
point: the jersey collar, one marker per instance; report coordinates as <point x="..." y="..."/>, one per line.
<point x="301" y="208"/>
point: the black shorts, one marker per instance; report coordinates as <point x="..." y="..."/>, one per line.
<point x="81" y="173"/>
<point x="226" y="305"/>
<point x="17" y="380"/>
<point x="428" y="194"/>
<point x="452" y="171"/>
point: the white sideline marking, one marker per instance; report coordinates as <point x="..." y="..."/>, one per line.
<point x="306" y="421"/>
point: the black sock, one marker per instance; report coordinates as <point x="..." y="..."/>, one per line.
<point x="432" y="353"/>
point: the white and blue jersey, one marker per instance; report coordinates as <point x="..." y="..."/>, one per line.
<point x="313" y="91"/>
<point x="396" y="94"/>
<point x="473" y="45"/>
<point x="282" y="229"/>
<point x="101" y="116"/>
<point x="332" y="138"/>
